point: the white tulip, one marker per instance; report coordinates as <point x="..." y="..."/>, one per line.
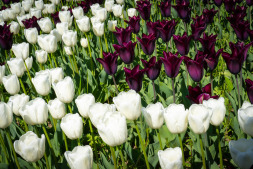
<point x="199" y="118"/>
<point x="72" y="126"/>
<point x="16" y="66"/>
<point x="101" y="14"/>
<point x="242" y="152"/>
<point x="48" y="43"/>
<point x="65" y="16"/>
<point x="14" y="28"/>
<point x="98" y="28"/>
<point x="16" y="7"/>
<point x="11" y="84"/>
<point x="39" y="4"/>
<point x="117" y="10"/>
<point x="94" y="7"/>
<point x="42" y="84"/>
<point x="65" y="90"/>
<point x="22" y="18"/>
<point x="35" y="12"/>
<point x="2" y="73"/>
<point x="153" y="115"/>
<point x="1" y="18"/>
<point x="81" y="157"/>
<point x="64" y="8"/>
<point x="62" y="27"/>
<point x="83" y="103"/>
<point x="6" y="115"/>
<point x="245" y="118"/>
<point x="21" y="50"/>
<point x="176" y="118"/>
<point x="31" y="35"/>
<point x="112" y="25"/>
<point x="68" y="50"/>
<point x="8" y="14"/>
<point x="57" y="74"/>
<point x="30" y="147"/>
<point x="51" y="8"/>
<point x="131" y="12"/>
<point x="56" y="108"/>
<point x="41" y="56"/>
<point x="84" y="42"/>
<point x="56" y="34"/>
<point x="29" y="63"/>
<point x="120" y="2"/>
<point x="56" y="2"/>
<point x="108" y="5"/>
<point x="44" y="72"/>
<point x="18" y="101"/>
<point x="83" y="24"/>
<point x="69" y="38"/>
<point x="26" y="4"/>
<point x="5" y="14"/>
<point x="170" y="158"/>
<point x="128" y="104"/>
<point x="34" y="112"/>
<point x="78" y="12"/>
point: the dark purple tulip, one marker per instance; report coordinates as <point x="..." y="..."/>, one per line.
<point x="212" y="58"/>
<point x="165" y="8"/>
<point x="195" y="67"/>
<point x="209" y="14"/>
<point x="134" y="23"/>
<point x="208" y="42"/>
<point x="229" y="5"/>
<point x="3" y="8"/>
<point x="144" y="8"/>
<point x="147" y="43"/>
<point x="249" y="88"/>
<point x="109" y="62"/>
<point x="171" y="63"/>
<point x="123" y="35"/>
<point x="56" y="18"/>
<point x="198" y="27"/>
<point x="250" y="32"/>
<point x="218" y="3"/>
<point x="6" y="37"/>
<point x="6" y="1"/>
<point x="235" y="60"/>
<point x="84" y="5"/>
<point x="240" y="12"/>
<point x="152" y="28"/>
<point x="31" y="23"/>
<point x="183" y="10"/>
<point x="182" y="43"/>
<point x="241" y="30"/>
<point x="167" y="29"/>
<point x="126" y="51"/>
<point x="152" y="67"/>
<point x="134" y="77"/>
<point x="239" y="1"/>
<point x="196" y="95"/>
<point x="249" y="2"/>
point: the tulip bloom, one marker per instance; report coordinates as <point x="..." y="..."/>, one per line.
<point x="241" y="29"/>
<point x="109" y="62"/>
<point x="152" y="68"/>
<point x="134" y="23"/>
<point x="167" y="29"/>
<point x="212" y="58"/>
<point x="6" y="115"/>
<point x="147" y="43"/>
<point x="209" y="14"/>
<point x="42" y="83"/>
<point x="18" y="101"/>
<point x="198" y="27"/>
<point x="144" y="8"/>
<point x="83" y="109"/>
<point x="56" y="18"/>
<point x="229" y="5"/>
<point x="11" y="84"/>
<point x="32" y="23"/>
<point x="165" y="8"/>
<point x="2" y="72"/>
<point x="134" y="77"/>
<point x="31" y="35"/>
<point x="21" y="50"/>
<point x="170" y="158"/>
<point x="85" y="5"/>
<point x="69" y="38"/>
<point x="6" y="37"/>
<point x="183" y="10"/>
<point x="208" y="42"/>
<point x="152" y="28"/>
<point x="218" y="3"/>
<point x="249" y="88"/>
<point x="245" y="118"/>
<point x="182" y="43"/>
<point x="56" y="108"/>
<point x="126" y="51"/>
<point x="16" y="66"/>
<point x="123" y="35"/>
<point x="47" y="42"/>
<point x="249" y="2"/>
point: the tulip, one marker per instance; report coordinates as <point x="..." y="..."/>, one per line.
<point x="47" y="42"/>
<point x="131" y="12"/>
<point x="209" y="14"/>
<point x="249" y="2"/>
<point x="2" y="72"/>
<point x="112" y="25"/>
<point x="35" y="12"/>
<point x="83" y="24"/>
<point x="69" y="38"/>
<point x="31" y="35"/>
<point x="21" y="50"/>
<point x="229" y="5"/>
<point x="31" y="23"/>
<point x="152" y="28"/>
<point x="94" y="7"/>
<point x="235" y="60"/>
<point x="165" y="8"/>
<point x="56" y="108"/>
<point x="101" y="14"/>
<point x="14" y="28"/>
<point x="18" y="101"/>
<point x="65" y="16"/>
<point x="109" y="62"/>
<point x="6" y="115"/>
<point x="126" y="51"/>
<point x="245" y="118"/>
<point x="16" y="7"/>
<point x="98" y="29"/>
<point x="57" y="74"/>
<point x="208" y="42"/>
<point x="182" y="43"/>
<point x="147" y="43"/>
<point x="6" y="37"/>
<point x="64" y="90"/>
<point x="84" y="42"/>
<point x="117" y="10"/>
<point x="56" y="34"/>
<point x="134" y="23"/>
<point x="153" y="115"/>
<point x="6" y="1"/>
<point x="83" y="103"/>
<point x="123" y="35"/>
<point x="16" y="66"/>
<point x="176" y="118"/>
<point x="212" y="58"/>
<point x="113" y="129"/>
<point x="170" y="158"/>
<point x="198" y="27"/>
<point x="108" y="5"/>
<point x="34" y="112"/>
<point x="62" y="27"/>
<point x="167" y="29"/>
<point x="41" y="56"/>
<point x="152" y="68"/>
<point x="94" y="19"/>
<point x="30" y="147"/>
<point x="218" y="3"/>
<point x="50" y="8"/>
<point x="56" y="18"/>
<point x="249" y="89"/>
<point x="72" y="126"/>
<point x="11" y="84"/>
<point x="42" y="84"/>
<point x="242" y="152"/>
<point x="183" y="10"/>
<point x="29" y="62"/>
<point x="68" y="50"/>
<point x="45" y="24"/>
<point x="240" y="29"/>
<point x="239" y="13"/>
<point x="26" y="4"/>
<point x="84" y="5"/>
<point x="39" y="4"/>
<point x="120" y="1"/>
<point x="80" y="157"/>
<point x="144" y="8"/>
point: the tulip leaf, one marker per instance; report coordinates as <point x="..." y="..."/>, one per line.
<point x="152" y="153"/>
<point x="106" y="163"/>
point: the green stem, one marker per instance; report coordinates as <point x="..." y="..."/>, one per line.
<point x="70" y="109"/>
<point x="4" y="149"/>
<point x="22" y="85"/>
<point x="101" y="47"/>
<point x="72" y="67"/>
<point x="211" y="81"/>
<point x="182" y="148"/>
<point x="65" y="141"/>
<point x="78" y="142"/>
<point x="202" y="152"/>
<point x="153" y="83"/>
<point x="106" y="44"/>
<point x="93" y="140"/>
<point x="90" y="53"/>
<point x="250" y="17"/>
<point x="142" y="145"/>
<point x="238" y="90"/>
<point x="219" y="145"/>
<point x="159" y="138"/>
<point x="115" y="84"/>
<point x="173" y="90"/>
<point x="51" y="65"/>
<point x="76" y="67"/>
<point x="52" y="55"/>
<point x="30" y="78"/>
<point x="12" y="147"/>
<point x="122" y="158"/>
<point x="113" y="157"/>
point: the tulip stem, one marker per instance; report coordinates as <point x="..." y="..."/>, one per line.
<point x="159" y="138"/>
<point x="167" y="47"/>
<point x="70" y="109"/>
<point x="101" y="47"/>
<point x="52" y="56"/>
<point x="89" y="53"/>
<point x="12" y="147"/>
<point x="93" y="140"/>
<point x="114" y="81"/>
<point x="142" y="145"/>
<point x="22" y="85"/>
<point x="219" y="145"/>
<point x="51" y="65"/>
<point x="122" y="158"/>
<point x="250" y="17"/>
<point x="4" y="149"/>
<point x="106" y="44"/>
<point x="65" y="141"/>
<point x="72" y="67"/>
<point x="202" y="152"/>
<point x="185" y="27"/>
<point x="76" y="67"/>
<point x="113" y="157"/>
<point x="211" y="81"/>
<point x="173" y="90"/>
<point x="28" y="72"/>
<point x="182" y="148"/>
<point x="238" y="90"/>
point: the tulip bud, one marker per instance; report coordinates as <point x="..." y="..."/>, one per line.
<point x="112" y="25"/>
<point x="83" y="103"/>
<point x="72" y="125"/>
<point x="35" y="12"/>
<point x="30" y="147"/>
<point x="153" y="115"/>
<point x="45" y="24"/>
<point x="17" y="101"/>
<point x="62" y="27"/>
<point x="245" y="118"/>
<point x="39" y="4"/>
<point x="41" y="56"/>
<point x="42" y="83"/>
<point x="170" y="158"/>
<point x="21" y="50"/>
<point x="80" y="157"/>
<point x="117" y="10"/>
<point x="69" y="38"/>
<point x="131" y="12"/>
<point x="2" y="73"/>
<point x="6" y="115"/>
<point x="83" y="24"/>
<point x="11" y="84"/>
<point x="113" y="128"/>
<point x="242" y="152"/>
<point x="199" y="118"/>
<point x="101" y="14"/>
<point x="65" y="16"/>
<point x="26" y="4"/>
<point x="128" y="104"/>
<point x="108" y="5"/>
<point x="98" y="28"/>
<point x="16" y="66"/>
<point x="176" y="118"/>
<point x="57" y="74"/>
<point x="56" y="108"/>
<point x="48" y="43"/>
<point x="16" y="7"/>
<point x="29" y="63"/>
<point x="84" y="42"/>
<point x="64" y="89"/>
<point x="78" y="12"/>
<point x="31" y="35"/>
<point x="14" y="28"/>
